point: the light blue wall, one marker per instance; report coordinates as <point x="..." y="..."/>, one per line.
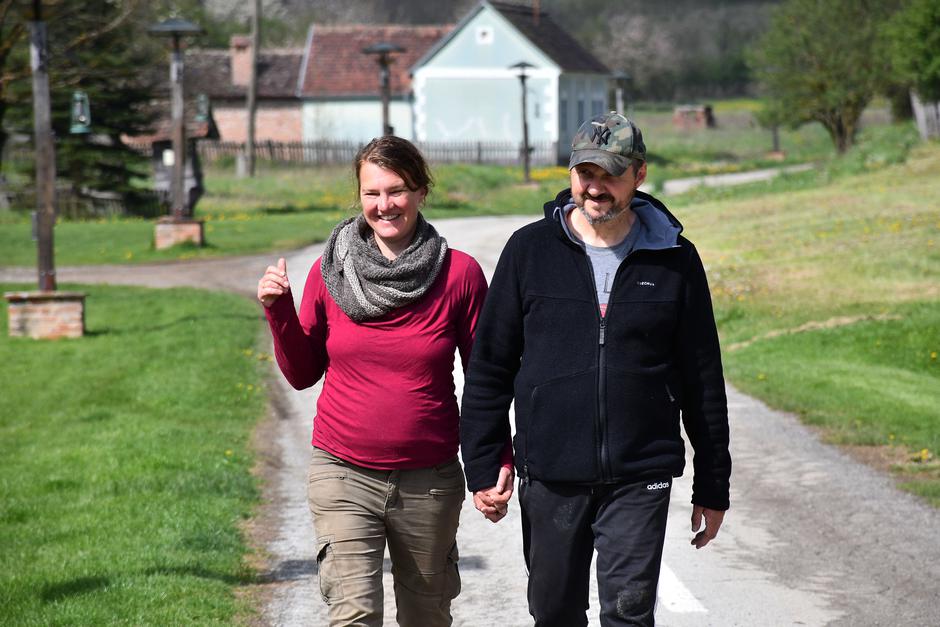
<point x="466" y="91"/>
<point x="504" y="48"/>
<point x="485" y="109"/>
<point x="354" y="120"/>
<point x="580" y="97"/>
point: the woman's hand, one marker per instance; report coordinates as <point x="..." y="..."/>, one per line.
<point x="274" y="283"/>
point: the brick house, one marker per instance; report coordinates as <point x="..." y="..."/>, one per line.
<point x="223" y="76"/>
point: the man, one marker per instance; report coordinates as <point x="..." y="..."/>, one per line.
<point x="599" y="325"/>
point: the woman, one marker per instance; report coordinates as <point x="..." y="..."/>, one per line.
<point x="382" y="312"/>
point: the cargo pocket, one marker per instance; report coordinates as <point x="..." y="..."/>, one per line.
<point x="331" y="587"/>
<point x="451" y="577"/>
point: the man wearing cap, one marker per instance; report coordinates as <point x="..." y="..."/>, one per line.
<point x="598" y="324"/>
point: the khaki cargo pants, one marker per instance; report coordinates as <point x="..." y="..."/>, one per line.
<point x="357" y="510"/>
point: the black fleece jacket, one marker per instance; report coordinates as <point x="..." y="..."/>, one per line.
<point x="597" y="400"/>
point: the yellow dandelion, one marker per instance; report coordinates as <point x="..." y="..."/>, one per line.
<point x="761" y="376"/>
<point x="933" y="354"/>
<point x="228" y="453"/>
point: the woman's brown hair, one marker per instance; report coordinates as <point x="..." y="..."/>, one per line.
<point x="398" y="155"/>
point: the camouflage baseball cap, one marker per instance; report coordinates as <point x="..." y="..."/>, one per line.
<point x="608" y="140"/>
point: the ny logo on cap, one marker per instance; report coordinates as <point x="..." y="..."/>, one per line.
<point x="601" y="134"/>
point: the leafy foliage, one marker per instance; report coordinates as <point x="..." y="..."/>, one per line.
<point x="913" y="39"/>
<point x="823" y="62"/>
<point x="99" y="48"/>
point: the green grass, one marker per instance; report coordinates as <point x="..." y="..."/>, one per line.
<point x="828" y="303"/>
<point x="287" y="207"/>
<point x="125" y="461"/>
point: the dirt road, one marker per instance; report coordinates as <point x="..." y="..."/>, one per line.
<point x="813" y="537"/>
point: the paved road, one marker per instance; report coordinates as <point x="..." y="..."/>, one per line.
<point x="813" y="538"/>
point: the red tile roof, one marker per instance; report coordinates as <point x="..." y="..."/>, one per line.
<point x="337" y="67"/>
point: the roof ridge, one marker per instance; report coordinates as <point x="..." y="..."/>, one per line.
<point x="513" y="6"/>
<point x="367" y="27"/>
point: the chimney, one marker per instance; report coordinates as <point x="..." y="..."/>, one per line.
<point x="240" y="53"/>
<point x="536" y="10"/>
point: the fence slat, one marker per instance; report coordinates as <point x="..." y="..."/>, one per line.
<point x="343" y="152"/>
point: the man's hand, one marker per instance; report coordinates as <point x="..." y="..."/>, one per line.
<point x="713" y="518"/>
<point x="494" y="502"/>
<point x="273" y="284"/>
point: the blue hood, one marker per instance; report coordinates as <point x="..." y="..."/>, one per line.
<point x="660" y="229"/>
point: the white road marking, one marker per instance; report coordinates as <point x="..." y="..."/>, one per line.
<point x="674" y="596"/>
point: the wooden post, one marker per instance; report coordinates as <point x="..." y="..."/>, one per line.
<point x="525" y="130"/>
<point x="252" y="104"/>
<point x="179" y="132"/>
<point x="386" y="88"/>
<point x="45" y="152"/>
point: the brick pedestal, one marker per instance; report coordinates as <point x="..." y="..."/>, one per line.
<point x="46" y="315"/>
<point x="170" y="232"/>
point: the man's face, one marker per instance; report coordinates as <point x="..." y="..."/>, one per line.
<point x="599" y="195"/>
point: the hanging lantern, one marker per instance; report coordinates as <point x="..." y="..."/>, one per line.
<point x="81" y="113"/>
<point x="202" y="108"/>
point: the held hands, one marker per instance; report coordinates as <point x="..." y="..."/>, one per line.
<point x="713" y="518"/>
<point x="273" y="284"/>
<point x="494" y="502"/>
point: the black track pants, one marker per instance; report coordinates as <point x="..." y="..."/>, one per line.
<point x="562" y="525"/>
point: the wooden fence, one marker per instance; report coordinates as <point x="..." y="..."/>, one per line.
<point x="343" y="152"/>
<point x="72" y="204"/>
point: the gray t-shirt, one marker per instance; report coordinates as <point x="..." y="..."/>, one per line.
<point x="605" y="260"/>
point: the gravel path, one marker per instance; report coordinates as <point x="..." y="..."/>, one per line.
<point x="813" y="537"/>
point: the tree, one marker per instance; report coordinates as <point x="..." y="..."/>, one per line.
<point x="100" y="48"/>
<point x="823" y="61"/>
<point x="913" y="40"/>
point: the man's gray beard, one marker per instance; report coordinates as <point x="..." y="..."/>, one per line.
<point x="601" y="219"/>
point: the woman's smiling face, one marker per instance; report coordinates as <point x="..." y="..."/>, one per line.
<point x="389" y="207"/>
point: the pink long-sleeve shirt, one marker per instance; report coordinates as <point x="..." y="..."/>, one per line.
<point x="388" y="394"/>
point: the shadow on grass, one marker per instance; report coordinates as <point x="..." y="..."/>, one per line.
<point x="202" y="573"/>
<point x="166" y="325"/>
<point x="73" y="587"/>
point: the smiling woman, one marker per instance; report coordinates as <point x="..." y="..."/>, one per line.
<point x="383" y="312"/>
<point x="389" y="207"/>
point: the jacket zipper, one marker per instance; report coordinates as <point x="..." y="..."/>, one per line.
<point x="601" y="423"/>
<point x="600" y="416"/>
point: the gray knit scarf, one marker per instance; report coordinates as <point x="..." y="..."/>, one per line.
<point x="364" y="283"/>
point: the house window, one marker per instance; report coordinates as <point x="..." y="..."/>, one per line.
<point x="580" y="110"/>
<point x="484" y="35"/>
<point x="563" y="112"/>
<point x="597" y="107"/>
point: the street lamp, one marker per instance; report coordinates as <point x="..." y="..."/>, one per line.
<point x="47" y="313"/>
<point x="177" y="28"/>
<point x="621" y="79"/>
<point x="80" y="114"/>
<point x="522" y="66"/>
<point x="384" y="50"/>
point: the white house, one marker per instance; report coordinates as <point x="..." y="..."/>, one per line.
<point x="465" y="90"/>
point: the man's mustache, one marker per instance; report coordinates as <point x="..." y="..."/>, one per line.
<point x="601" y="198"/>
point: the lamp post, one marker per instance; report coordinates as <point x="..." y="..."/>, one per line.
<point x="383" y="51"/>
<point x="45" y="149"/>
<point x="521" y="67"/>
<point x="177" y="28"/>
<point x="47" y="313"/>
